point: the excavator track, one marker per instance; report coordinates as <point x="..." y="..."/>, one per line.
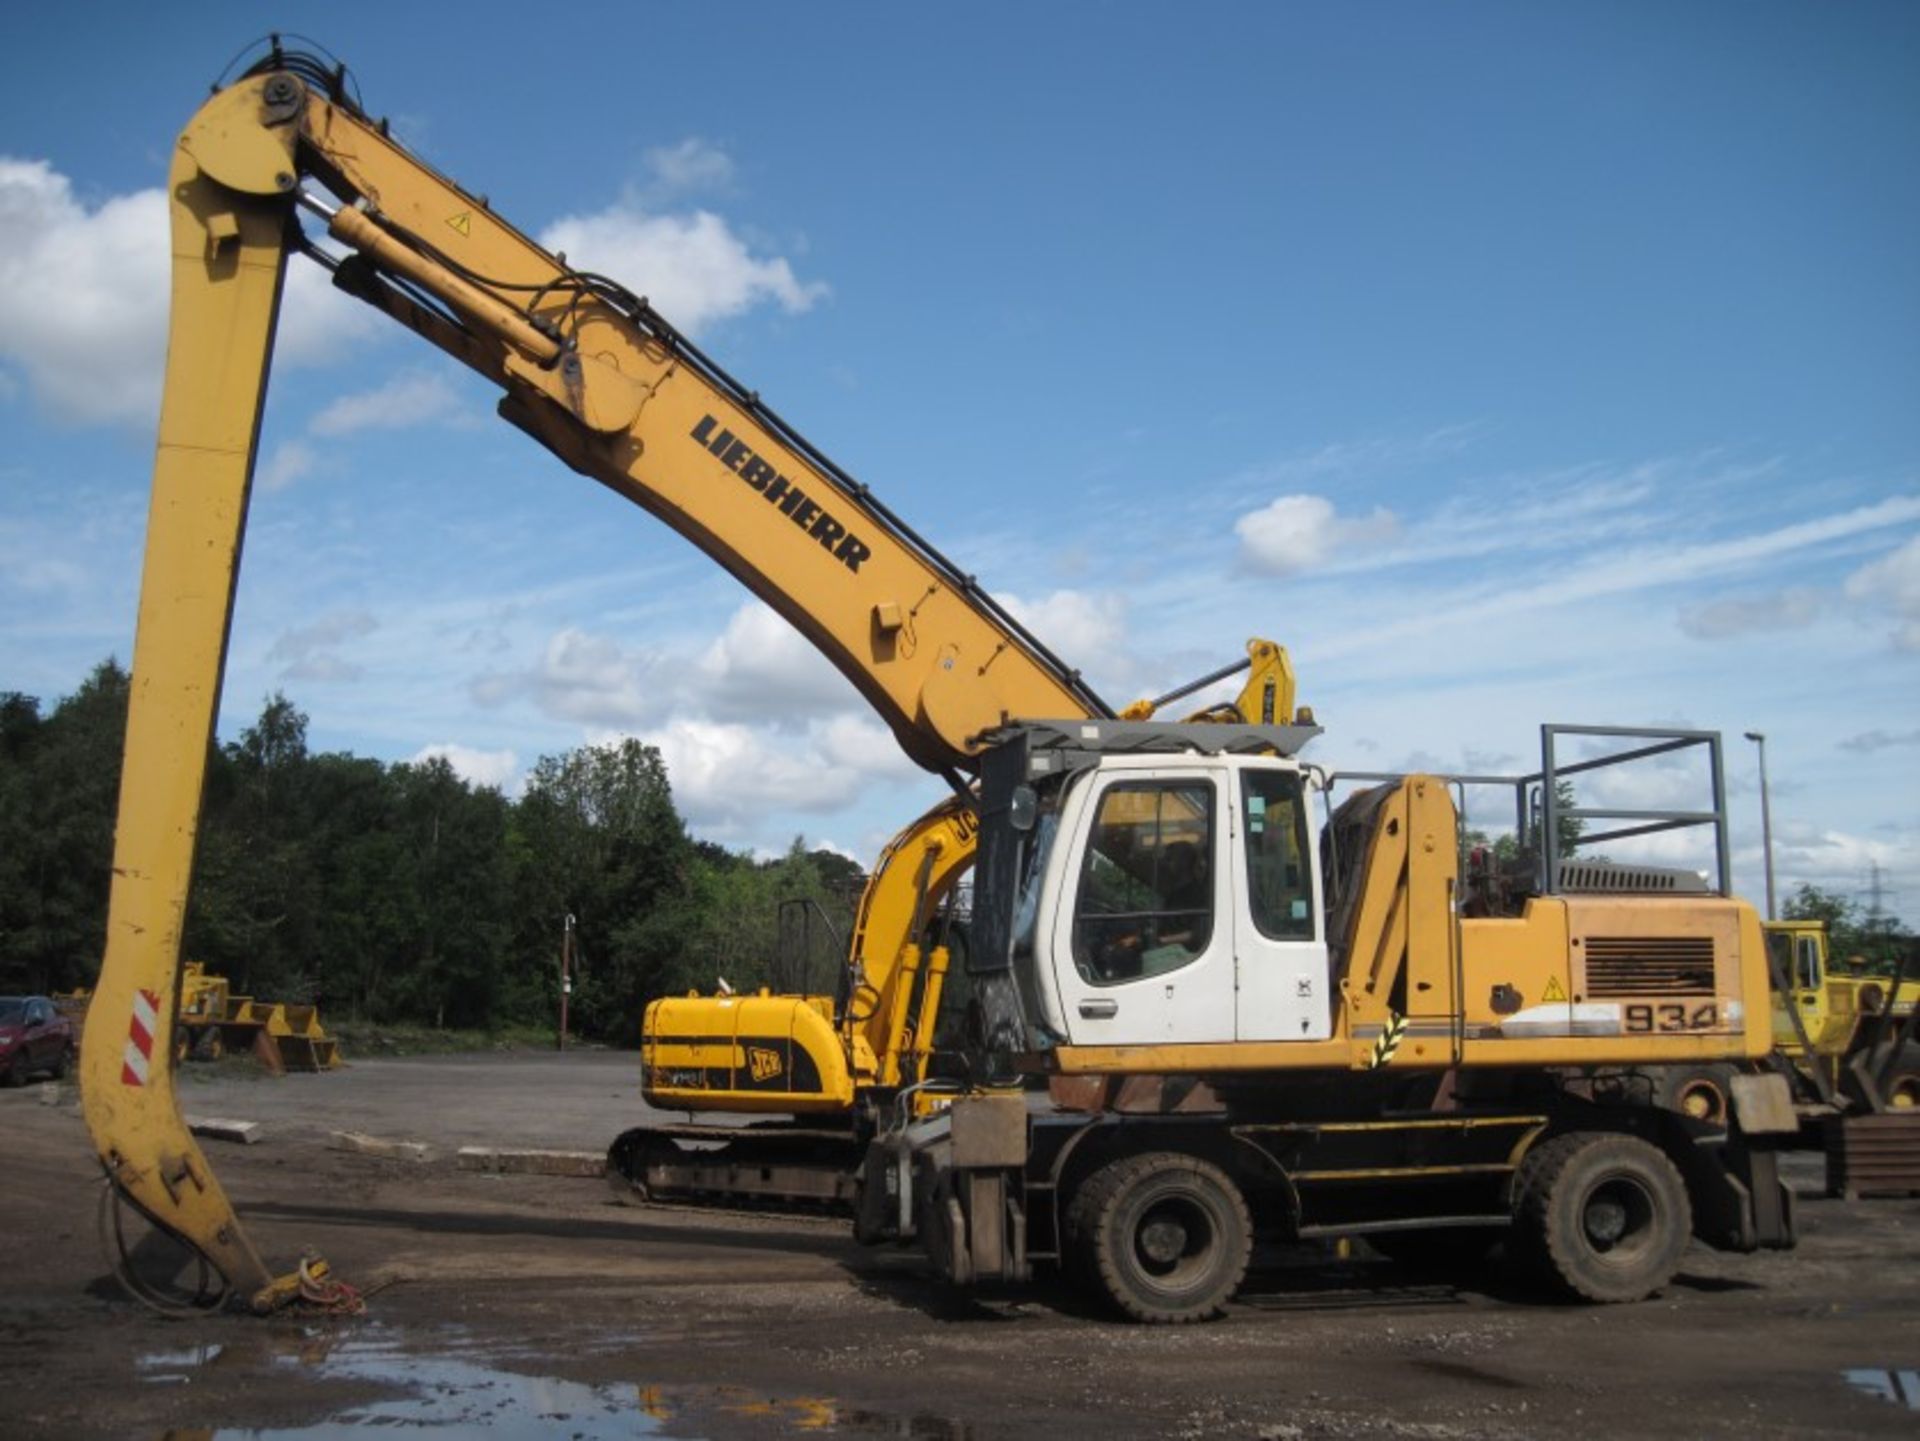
<point x="775" y="1165"/>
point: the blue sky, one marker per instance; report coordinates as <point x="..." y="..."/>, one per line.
<point x="1509" y="363"/>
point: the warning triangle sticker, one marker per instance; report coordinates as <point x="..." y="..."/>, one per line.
<point x="463" y="222"/>
<point x="1555" y="991"/>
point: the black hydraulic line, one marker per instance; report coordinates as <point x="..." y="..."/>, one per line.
<point x="205" y="1297"/>
<point x="1206" y="680"/>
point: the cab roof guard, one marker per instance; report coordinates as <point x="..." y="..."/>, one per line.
<point x="1538" y="809"/>
<point x="1054" y="746"/>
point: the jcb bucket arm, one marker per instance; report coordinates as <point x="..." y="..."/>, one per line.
<point x="228" y="194"/>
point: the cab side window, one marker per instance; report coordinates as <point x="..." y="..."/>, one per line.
<point x="1279" y="876"/>
<point x="1145" y="903"/>
<point x="1808" y="950"/>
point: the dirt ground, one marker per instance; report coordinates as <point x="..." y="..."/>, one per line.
<point x="531" y="1306"/>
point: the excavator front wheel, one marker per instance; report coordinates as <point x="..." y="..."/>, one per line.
<point x="1601" y="1217"/>
<point x="1163" y="1237"/>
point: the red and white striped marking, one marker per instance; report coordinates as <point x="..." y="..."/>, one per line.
<point x="141" y="1030"/>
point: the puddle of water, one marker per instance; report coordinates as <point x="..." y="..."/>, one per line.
<point x="1900" y="1387"/>
<point x="461" y="1388"/>
<point x="462" y="1396"/>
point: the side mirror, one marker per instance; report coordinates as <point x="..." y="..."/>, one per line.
<point x="1023" y="808"/>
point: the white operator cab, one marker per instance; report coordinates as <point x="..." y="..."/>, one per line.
<point x="1180" y="900"/>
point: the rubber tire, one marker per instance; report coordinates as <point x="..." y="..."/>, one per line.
<point x="1443" y="1249"/>
<point x="1680" y="1085"/>
<point x="1103" y="1221"/>
<point x="62" y="1062"/>
<point x="1551" y="1237"/>
<point x="1901" y="1090"/>
<point x="17" y="1071"/>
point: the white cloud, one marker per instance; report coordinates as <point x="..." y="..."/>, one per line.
<point x="308" y="652"/>
<point x="476" y="767"/>
<point x="692" y="267"/>
<point x="289" y="462"/>
<point x="29" y="564"/>
<point x="1868" y="742"/>
<point x="590" y="679"/>
<point x="726" y="776"/>
<point x="413" y="398"/>
<point x="1086" y="629"/>
<point x="1766" y="611"/>
<point x="1892" y="583"/>
<point x="1296" y="533"/>
<point x="760" y="666"/>
<point x="864" y="744"/>
<point x="84" y="298"/>
<point x="1836" y="860"/>
<point x="692" y="164"/>
<point x="1622" y="572"/>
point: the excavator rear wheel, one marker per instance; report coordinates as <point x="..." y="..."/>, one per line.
<point x="1163" y="1237"/>
<point x="1601" y="1217"/>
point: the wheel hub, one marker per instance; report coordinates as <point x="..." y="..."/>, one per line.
<point x="1163" y="1240"/>
<point x="1606" y="1221"/>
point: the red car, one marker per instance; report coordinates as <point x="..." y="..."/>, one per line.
<point x="33" y="1037"/>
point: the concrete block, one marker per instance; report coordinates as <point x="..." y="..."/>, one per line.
<point x="533" y="1163"/>
<point x="246" y="1133"/>
<point x="379" y="1146"/>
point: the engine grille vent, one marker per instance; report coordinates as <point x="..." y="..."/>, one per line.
<point x="1649" y="965"/>
<point x="1611" y="876"/>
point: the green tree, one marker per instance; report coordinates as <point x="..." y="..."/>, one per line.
<point x="59" y="788"/>
<point x="256" y="892"/>
<point x="600" y="840"/>
<point x="1872" y="942"/>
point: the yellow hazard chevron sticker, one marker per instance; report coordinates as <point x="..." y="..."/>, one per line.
<point x="463" y="222"/>
<point x="1389" y="1042"/>
<point x="1555" y="991"/>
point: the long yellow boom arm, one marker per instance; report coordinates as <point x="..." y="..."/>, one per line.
<point x="586" y="367"/>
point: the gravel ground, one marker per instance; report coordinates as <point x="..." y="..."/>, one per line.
<point x="529" y="1306"/>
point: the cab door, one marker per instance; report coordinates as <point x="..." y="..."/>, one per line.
<point x="1143" y="940"/>
<point x="1280" y="949"/>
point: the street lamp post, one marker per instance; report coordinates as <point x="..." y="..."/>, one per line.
<point x="1766" y="818"/>
<point x="566" y="976"/>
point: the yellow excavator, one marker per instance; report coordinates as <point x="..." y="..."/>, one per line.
<point x="1246" y="1018"/>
